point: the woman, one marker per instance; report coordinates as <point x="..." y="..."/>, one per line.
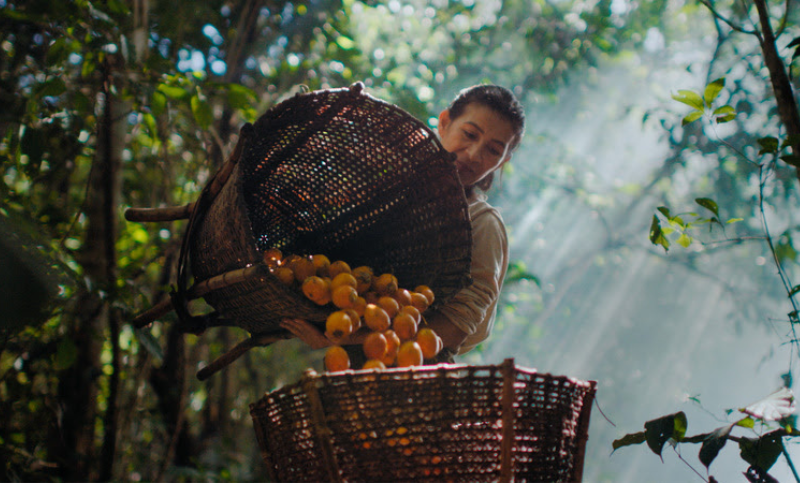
<point x="482" y="127"/>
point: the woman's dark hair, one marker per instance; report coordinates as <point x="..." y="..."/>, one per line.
<point x="500" y="100"/>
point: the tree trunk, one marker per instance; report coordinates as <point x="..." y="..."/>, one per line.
<point x="78" y="389"/>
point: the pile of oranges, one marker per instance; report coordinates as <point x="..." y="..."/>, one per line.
<point x="389" y="319"/>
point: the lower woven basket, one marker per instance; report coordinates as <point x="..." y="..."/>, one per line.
<point x="429" y="423"/>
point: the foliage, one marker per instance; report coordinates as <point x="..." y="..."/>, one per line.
<point x="760" y="452"/>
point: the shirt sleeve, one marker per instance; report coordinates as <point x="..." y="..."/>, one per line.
<point x="472" y="309"/>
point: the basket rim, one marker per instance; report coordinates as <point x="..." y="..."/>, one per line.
<point x="428" y="371"/>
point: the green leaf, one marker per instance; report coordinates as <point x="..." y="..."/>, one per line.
<point x="734" y="220"/>
<point x="747" y="422"/>
<point x="241" y="97"/>
<point x="66" y="354"/>
<point x="345" y="43"/>
<point x="659" y="431"/>
<point x="518" y="271"/>
<point x="173" y="92"/>
<point x="656" y="235"/>
<point x="724" y="114"/>
<point x="708" y="204"/>
<point x="768" y="144"/>
<point x="677" y="221"/>
<point x="712" y="90"/>
<point x="684" y="240"/>
<point x="158" y="103"/>
<point x="793" y="159"/>
<point x="690" y="98"/>
<point x="691" y="117"/>
<point x="53" y="87"/>
<point x="664" y="211"/>
<point x="58" y="52"/>
<point x="762" y="452"/>
<point x="713" y="444"/>
<point x="201" y="110"/>
<point x="784" y="249"/>
<point x="628" y="440"/>
<point x="150" y="124"/>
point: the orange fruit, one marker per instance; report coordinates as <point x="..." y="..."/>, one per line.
<point x="360" y="305"/>
<point x="409" y="354"/>
<point x="402" y="296"/>
<point x="376" y="318"/>
<point x="303" y="268"/>
<point x="343" y="279"/>
<point x="427" y="292"/>
<point x="316" y="290"/>
<point x="344" y="296"/>
<point x="336" y="359"/>
<point x="375" y="345"/>
<point x="412" y="311"/>
<point x="338" y="267"/>
<point x="405" y="326"/>
<point x="321" y="264"/>
<point x="374" y="364"/>
<point x="289" y="260"/>
<point x="390" y="305"/>
<point x="285" y="275"/>
<point x="429" y="342"/>
<point x="355" y="318"/>
<point x="363" y="275"/>
<point x="272" y="257"/>
<point x="393" y="344"/>
<point x="386" y="284"/>
<point x="419" y="301"/>
<point x="371" y="297"/>
<point x="338" y="324"/>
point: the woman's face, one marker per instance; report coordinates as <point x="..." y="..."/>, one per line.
<point x="480" y="138"/>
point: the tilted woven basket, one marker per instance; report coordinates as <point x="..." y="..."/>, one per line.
<point x="341" y="173"/>
<point x="430" y="423"/>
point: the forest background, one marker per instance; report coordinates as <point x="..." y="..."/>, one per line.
<point x="135" y="103"/>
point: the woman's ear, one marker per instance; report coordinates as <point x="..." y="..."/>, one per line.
<point x="444" y="120"/>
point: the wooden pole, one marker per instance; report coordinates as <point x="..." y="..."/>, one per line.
<point x="507" y="445"/>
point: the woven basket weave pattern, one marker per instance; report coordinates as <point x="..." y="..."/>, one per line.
<point x="444" y="423"/>
<point x="340" y="173"/>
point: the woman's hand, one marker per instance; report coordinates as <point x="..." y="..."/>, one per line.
<point x="307" y="333"/>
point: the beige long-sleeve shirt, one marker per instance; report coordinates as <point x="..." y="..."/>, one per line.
<point x="474" y="308"/>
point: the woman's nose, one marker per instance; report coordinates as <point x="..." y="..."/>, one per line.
<point x="473" y="151"/>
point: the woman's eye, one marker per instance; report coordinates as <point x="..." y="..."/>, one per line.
<point x="470" y="135"/>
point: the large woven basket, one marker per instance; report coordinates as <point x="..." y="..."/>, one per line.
<point x="430" y="423"/>
<point x="341" y="173"/>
